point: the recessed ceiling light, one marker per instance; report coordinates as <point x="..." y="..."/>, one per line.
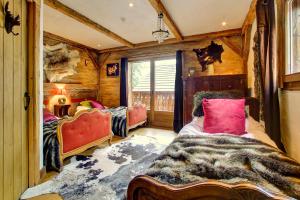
<point x="131" y="5"/>
<point x="224" y="23"/>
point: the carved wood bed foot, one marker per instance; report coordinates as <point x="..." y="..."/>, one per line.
<point x="146" y="188"/>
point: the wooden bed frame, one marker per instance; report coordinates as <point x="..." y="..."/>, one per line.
<point x="141" y="123"/>
<point x="146" y="188"/>
<point x="107" y="134"/>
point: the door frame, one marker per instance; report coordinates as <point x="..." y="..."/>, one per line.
<point x="34" y="89"/>
<point x="152" y="60"/>
<point x="162" y="114"/>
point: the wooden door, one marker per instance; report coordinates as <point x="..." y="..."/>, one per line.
<point x="163" y="91"/>
<point x="13" y="117"/>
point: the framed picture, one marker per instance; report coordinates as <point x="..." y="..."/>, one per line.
<point x="112" y="69"/>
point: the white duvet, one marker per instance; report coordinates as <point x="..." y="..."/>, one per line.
<point x="254" y="130"/>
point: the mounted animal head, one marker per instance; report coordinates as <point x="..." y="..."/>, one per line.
<point x="10" y="20"/>
<point x="209" y="55"/>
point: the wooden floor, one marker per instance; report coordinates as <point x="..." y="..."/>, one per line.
<point x="162" y="135"/>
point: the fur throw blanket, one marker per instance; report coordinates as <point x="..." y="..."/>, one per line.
<point x="228" y="159"/>
<point x="51" y="146"/>
<point x="118" y="120"/>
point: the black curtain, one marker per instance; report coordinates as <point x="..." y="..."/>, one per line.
<point x="123" y="82"/>
<point x="266" y="27"/>
<point x="178" y="107"/>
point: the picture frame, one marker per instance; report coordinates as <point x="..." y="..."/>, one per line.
<point x="112" y="69"/>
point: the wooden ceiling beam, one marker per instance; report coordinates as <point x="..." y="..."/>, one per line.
<point x="84" y="20"/>
<point x="250" y="17"/>
<point x="205" y="36"/>
<point x="67" y="41"/>
<point x="160" y="8"/>
<point x="94" y="58"/>
<point x="232" y="46"/>
<point x="246" y="47"/>
<point x="103" y="58"/>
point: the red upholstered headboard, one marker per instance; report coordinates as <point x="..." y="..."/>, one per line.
<point x="86" y="129"/>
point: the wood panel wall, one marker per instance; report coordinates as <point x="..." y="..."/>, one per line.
<point x="13" y="120"/>
<point x="85" y="83"/>
<point x="232" y="63"/>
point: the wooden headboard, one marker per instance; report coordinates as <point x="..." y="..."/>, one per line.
<point x="191" y="85"/>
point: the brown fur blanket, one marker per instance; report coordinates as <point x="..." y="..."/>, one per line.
<point x="228" y="159"/>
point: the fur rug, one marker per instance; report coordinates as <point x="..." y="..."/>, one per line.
<point x="228" y="159"/>
<point x="106" y="174"/>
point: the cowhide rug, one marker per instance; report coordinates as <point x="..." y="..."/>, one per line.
<point x="105" y="174"/>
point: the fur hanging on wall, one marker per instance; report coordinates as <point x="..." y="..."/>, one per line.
<point x="258" y="90"/>
<point x="60" y="62"/>
<point x="209" y="55"/>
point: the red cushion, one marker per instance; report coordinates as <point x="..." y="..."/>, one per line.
<point x="96" y="104"/>
<point x="224" y="116"/>
<point x="47" y="115"/>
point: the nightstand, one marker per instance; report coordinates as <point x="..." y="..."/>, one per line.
<point x="61" y="110"/>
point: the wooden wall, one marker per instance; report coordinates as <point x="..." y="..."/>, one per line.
<point x="109" y="87"/>
<point x="85" y="83"/>
<point x="13" y="120"/>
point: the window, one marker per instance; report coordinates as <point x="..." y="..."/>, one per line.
<point x="153" y="79"/>
<point x="293" y="36"/>
<point x="290" y="35"/>
<point x="140" y="83"/>
<point x="164" y="84"/>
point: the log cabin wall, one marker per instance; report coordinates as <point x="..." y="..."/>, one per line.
<point x="83" y="84"/>
<point x="109" y="93"/>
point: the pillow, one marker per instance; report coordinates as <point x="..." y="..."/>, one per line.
<point x="80" y="108"/>
<point x="86" y="104"/>
<point x="224" y="116"/>
<point x="72" y="109"/>
<point x="48" y="116"/>
<point x="199" y="96"/>
<point x="96" y="104"/>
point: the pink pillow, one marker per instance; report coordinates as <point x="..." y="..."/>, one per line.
<point x="96" y="104"/>
<point x="224" y="116"/>
<point x="47" y="115"/>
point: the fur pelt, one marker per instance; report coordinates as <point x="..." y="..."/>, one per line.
<point x="51" y="146"/>
<point x="60" y="62"/>
<point x="228" y="159"/>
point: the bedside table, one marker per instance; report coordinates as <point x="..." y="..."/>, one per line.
<point x="61" y="110"/>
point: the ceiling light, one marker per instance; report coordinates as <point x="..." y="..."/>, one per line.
<point x="131" y="5"/>
<point x="224" y="23"/>
<point x="161" y="33"/>
<point x="98" y="45"/>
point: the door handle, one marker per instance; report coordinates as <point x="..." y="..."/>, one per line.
<point x="26" y="100"/>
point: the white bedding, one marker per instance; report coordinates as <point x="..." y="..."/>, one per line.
<point x="253" y="128"/>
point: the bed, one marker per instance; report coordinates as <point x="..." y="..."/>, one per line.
<point x="177" y="175"/>
<point x="127" y="118"/>
<point x="73" y="135"/>
<point x="123" y="118"/>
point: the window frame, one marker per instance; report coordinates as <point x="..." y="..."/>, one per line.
<point x="152" y="60"/>
<point x="288" y="81"/>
